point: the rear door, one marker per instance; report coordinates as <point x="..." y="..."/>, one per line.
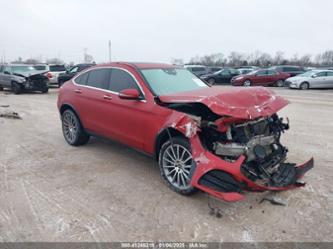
<point x="272" y="76"/>
<point x="6" y="78"/>
<point x="261" y="78"/>
<point x="319" y="81"/>
<point x="90" y="91"/>
<point x="329" y="79"/>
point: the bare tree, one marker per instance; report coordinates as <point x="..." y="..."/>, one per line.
<point x="54" y="61"/>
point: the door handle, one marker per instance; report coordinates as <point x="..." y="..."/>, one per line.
<point x="78" y="91"/>
<point x="107" y="97"/>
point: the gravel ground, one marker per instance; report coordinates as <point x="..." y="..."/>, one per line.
<point x="104" y="191"/>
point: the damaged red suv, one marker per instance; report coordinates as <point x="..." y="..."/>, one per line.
<point x="223" y="141"/>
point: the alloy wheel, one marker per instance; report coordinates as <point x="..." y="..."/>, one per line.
<point x="70" y="127"/>
<point x="247" y="83"/>
<point x="176" y="164"/>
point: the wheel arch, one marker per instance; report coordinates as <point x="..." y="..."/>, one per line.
<point x="67" y="106"/>
<point x="306" y="82"/>
<point x="162" y="137"/>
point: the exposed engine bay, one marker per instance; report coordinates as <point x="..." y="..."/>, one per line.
<point x="258" y="140"/>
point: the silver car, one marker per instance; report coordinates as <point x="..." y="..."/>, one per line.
<point x="20" y="77"/>
<point x="312" y="79"/>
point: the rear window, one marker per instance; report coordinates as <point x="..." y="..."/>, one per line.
<point x="57" y="68"/>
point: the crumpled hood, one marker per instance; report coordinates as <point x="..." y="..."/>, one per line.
<point x="30" y="73"/>
<point x="238" y="102"/>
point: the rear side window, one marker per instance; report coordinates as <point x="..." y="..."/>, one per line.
<point x="121" y="80"/>
<point x="57" y="68"/>
<point x="99" y="78"/>
<point x="271" y="72"/>
<point x="82" y="79"/>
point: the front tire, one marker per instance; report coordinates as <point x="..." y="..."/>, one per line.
<point x="176" y="164"/>
<point x="304" y="86"/>
<point x="1" y="88"/>
<point x="72" y="129"/>
<point x="247" y="83"/>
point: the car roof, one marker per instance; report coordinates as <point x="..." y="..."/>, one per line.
<point x="139" y="65"/>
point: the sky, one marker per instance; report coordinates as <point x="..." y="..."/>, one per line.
<point x="159" y="30"/>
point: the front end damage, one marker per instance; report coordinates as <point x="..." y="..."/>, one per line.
<point x="233" y="154"/>
<point x="34" y="82"/>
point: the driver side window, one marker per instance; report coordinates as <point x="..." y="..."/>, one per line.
<point x="121" y="80"/>
<point x="262" y="73"/>
<point x="225" y="72"/>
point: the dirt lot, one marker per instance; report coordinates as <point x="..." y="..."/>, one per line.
<point x="104" y="191"/>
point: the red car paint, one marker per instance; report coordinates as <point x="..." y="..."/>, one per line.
<point x="236" y="102"/>
<point x="138" y="123"/>
<point x="260" y="80"/>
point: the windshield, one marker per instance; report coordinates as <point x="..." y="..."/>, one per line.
<point x="171" y="80"/>
<point x="22" y="69"/>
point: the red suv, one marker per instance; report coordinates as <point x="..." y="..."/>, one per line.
<point x="262" y="77"/>
<point x="222" y="141"/>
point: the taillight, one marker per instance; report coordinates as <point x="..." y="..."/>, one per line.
<point x="49" y="75"/>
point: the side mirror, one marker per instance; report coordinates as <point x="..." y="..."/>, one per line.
<point x="314" y="76"/>
<point x="129" y="94"/>
<point x="6" y="72"/>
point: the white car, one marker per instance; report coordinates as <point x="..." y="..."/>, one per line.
<point x="312" y="79"/>
<point x="54" y="70"/>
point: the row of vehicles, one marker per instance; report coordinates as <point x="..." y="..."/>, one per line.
<point x="23" y="77"/>
<point x="291" y="76"/>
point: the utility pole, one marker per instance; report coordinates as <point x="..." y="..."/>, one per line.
<point x="109" y="50"/>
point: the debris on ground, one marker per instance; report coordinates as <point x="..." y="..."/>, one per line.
<point x="273" y="200"/>
<point x="13" y="115"/>
<point x="213" y="210"/>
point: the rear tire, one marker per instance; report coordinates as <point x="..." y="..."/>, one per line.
<point x="304" y="86"/>
<point x="211" y="81"/>
<point x="279" y="83"/>
<point x="45" y="90"/>
<point x="72" y="129"/>
<point x="176" y="164"/>
<point x="17" y="89"/>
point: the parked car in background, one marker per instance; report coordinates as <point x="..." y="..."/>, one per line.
<point x="214" y="69"/>
<point x="63" y="77"/>
<point x="261" y="77"/>
<point x="198" y="70"/>
<point x="54" y="70"/>
<point x="23" y="77"/>
<point x="291" y="70"/>
<point x="223" y="141"/>
<point x="312" y="79"/>
<point x="223" y="76"/>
